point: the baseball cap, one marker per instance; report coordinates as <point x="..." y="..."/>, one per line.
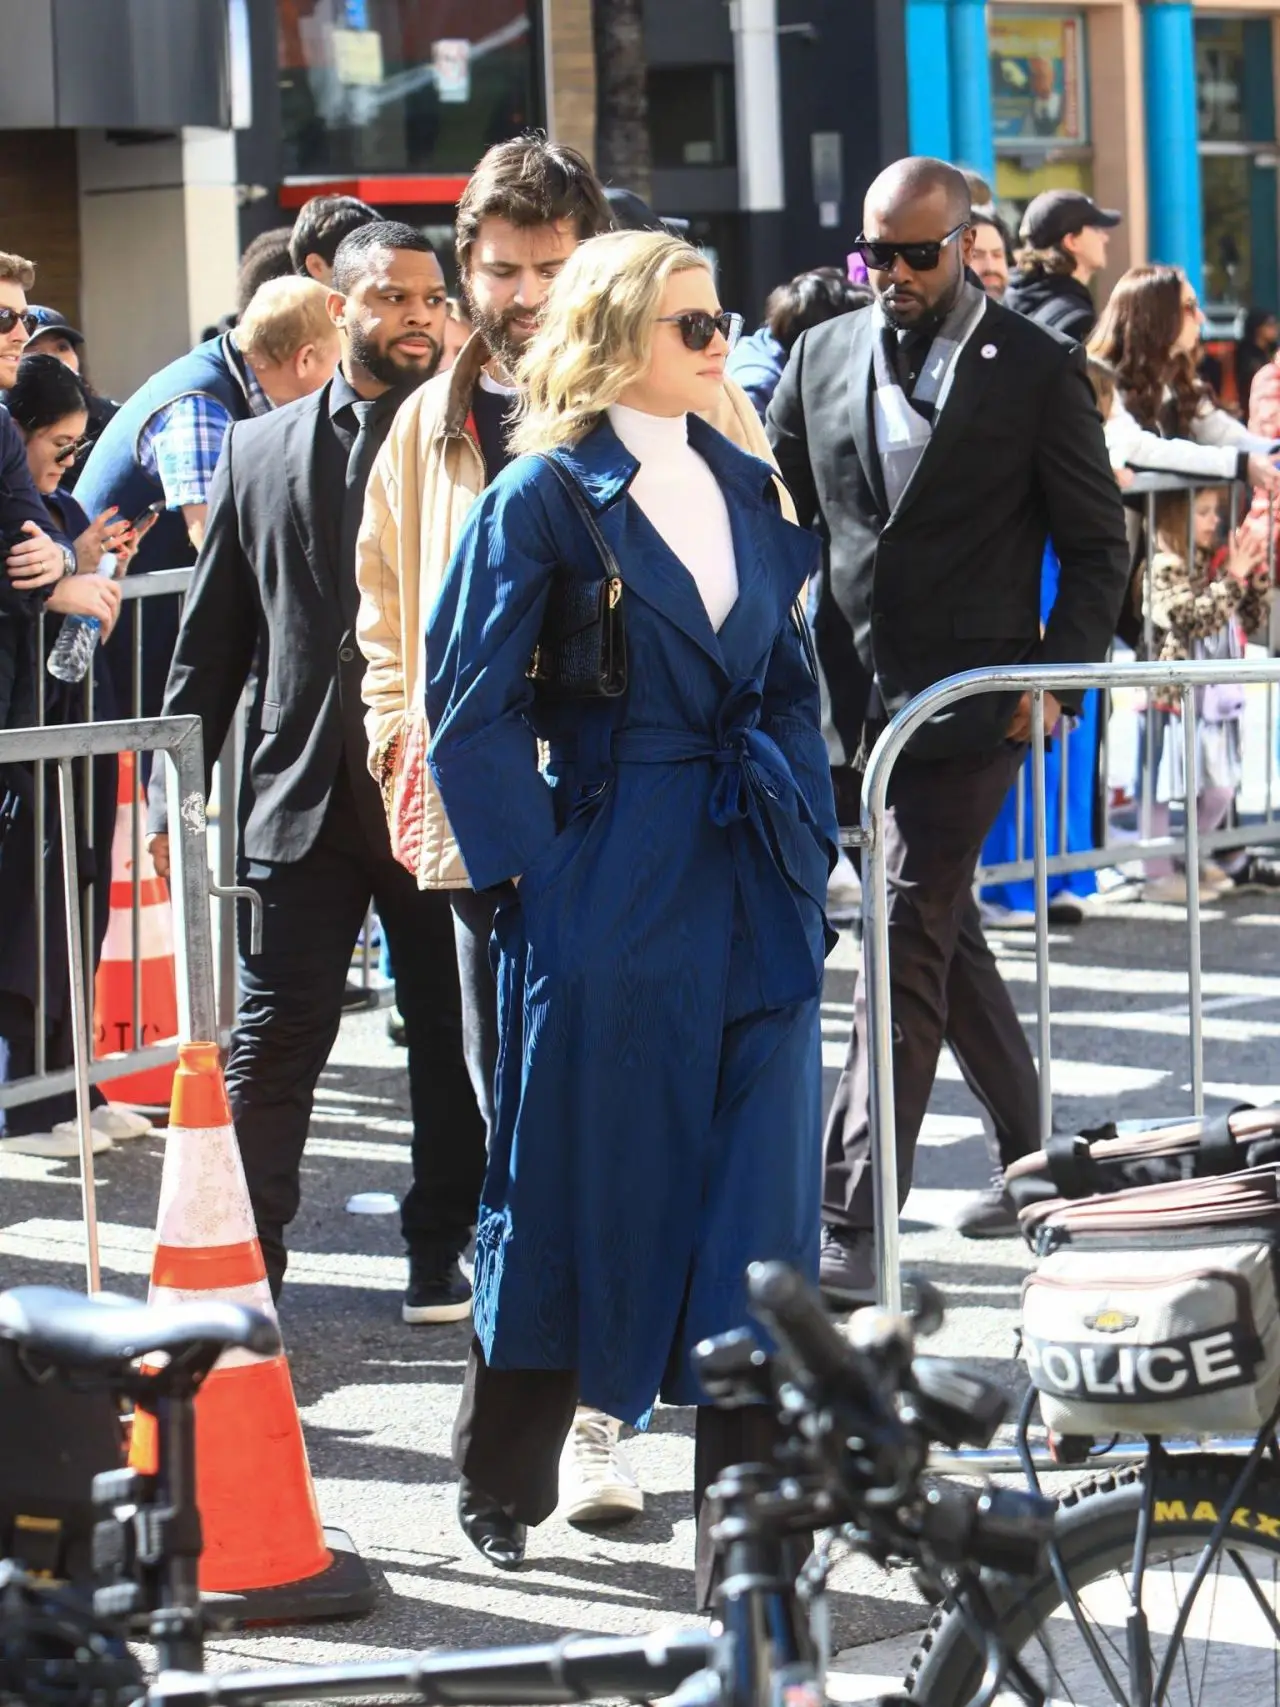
<point x="1057" y="213"/>
<point x="50" y="320"/>
<point x="632" y="213"/>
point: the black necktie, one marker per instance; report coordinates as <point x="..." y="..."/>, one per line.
<point x="913" y="352"/>
<point x="364" y="448"/>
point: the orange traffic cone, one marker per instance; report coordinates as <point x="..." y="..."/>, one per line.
<point x="113" y="988"/>
<point x="266" y="1557"/>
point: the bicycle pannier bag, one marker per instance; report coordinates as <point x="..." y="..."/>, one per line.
<point x="1154" y="1310"/>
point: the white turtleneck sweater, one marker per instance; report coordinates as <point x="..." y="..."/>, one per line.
<point x="682" y="498"/>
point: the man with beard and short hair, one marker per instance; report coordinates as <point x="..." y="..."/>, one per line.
<point x="273" y="599"/>
<point x="936" y="440"/>
<point x="990" y="257"/>
<point x="526" y="208"/>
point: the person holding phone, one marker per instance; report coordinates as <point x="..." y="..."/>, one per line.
<point x="47" y="403"/>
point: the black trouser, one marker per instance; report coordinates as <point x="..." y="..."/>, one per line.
<point x="473" y="912"/>
<point x="943" y="979"/>
<point x="290" y="1009"/>
<point x="512" y="1424"/>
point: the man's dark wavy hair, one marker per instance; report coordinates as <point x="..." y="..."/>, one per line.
<point x="530" y="181"/>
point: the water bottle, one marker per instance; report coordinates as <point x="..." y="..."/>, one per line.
<point x="73" y="649"/>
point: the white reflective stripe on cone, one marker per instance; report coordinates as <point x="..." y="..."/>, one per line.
<point x="155" y="930"/>
<point x="256" y="1296"/>
<point x="203" y="1198"/>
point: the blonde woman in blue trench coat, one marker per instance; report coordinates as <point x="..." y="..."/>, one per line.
<point x="661" y="949"/>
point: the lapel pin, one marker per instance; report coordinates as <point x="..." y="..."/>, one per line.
<point x="987" y="352"/>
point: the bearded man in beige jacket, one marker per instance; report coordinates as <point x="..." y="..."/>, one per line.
<point x="527" y="207"/>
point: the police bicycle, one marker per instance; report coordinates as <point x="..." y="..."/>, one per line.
<point x="1160" y="1587"/>
<point x="859" y="1421"/>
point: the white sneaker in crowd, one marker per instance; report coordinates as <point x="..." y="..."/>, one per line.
<point x="844" y="890"/>
<point x="1173" y="888"/>
<point x="1212" y="876"/>
<point x="998" y="918"/>
<point x="597" y="1485"/>
<point x="62" y="1143"/>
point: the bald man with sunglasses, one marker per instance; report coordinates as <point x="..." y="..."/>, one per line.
<point x="937" y="441"/>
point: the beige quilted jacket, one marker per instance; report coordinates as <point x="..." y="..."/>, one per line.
<point x="425" y="480"/>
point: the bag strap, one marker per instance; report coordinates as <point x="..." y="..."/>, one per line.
<point x="801" y="624"/>
<point x="1217" y="1147"/>
<point x="1068" y="1160"/>
<point x="578" y="499"/>
<point x="610" y="563"/>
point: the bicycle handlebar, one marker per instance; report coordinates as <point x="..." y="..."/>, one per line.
<point x="576" y="1668"/>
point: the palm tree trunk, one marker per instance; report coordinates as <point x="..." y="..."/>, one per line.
<point x="622" y="104"/>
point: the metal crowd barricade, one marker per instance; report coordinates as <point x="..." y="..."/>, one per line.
<point x="180" y="739"/>
<point x="1150" y="488"/>
<point x="1173" y="678"/>
<point x="140" y="1054"/>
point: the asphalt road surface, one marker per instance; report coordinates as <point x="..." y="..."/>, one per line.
<point x="377" y="1398"/>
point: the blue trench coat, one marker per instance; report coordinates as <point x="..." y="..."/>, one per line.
<point x="659" y="1077"/>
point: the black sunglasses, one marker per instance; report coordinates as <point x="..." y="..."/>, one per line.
<point x="69" y="452"/>
<point x="920" y="257"/>
<point x="9" y="318"/>
<point x="698" y="328"/>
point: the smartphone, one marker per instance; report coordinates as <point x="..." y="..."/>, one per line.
<point x="156" y="509"/>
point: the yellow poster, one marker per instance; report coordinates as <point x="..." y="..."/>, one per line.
<point x="1037" y="78"/>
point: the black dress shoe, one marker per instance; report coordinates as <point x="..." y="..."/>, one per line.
<point x="490" y="1527"/>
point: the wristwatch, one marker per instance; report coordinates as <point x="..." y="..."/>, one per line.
<point x="68" y="561"/>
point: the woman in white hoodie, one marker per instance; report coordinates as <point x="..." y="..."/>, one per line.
<point x="1164" y="419"/>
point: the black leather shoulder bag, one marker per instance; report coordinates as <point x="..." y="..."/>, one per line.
<point x="582" y="649"/>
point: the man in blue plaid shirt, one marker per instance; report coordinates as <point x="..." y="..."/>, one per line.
<point x="158" y="454"/>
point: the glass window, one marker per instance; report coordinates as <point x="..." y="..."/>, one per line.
<point x="377" y="86"/>
<point x="1236" y="115"/>
<point x="691" y="116"/>
<point x="1235" y="101"/>
<point x="1019" y="181"/>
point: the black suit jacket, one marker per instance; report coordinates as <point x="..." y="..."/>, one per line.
<point x="271" y="597"/>
<point x="950" y="580"/>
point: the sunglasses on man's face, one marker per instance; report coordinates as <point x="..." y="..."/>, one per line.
<point x="920" y="257"/>
<point x="698" y="328"/>
<point x="9" y="318"/>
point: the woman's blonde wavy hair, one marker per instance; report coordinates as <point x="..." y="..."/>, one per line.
<point x="596" y="334"/>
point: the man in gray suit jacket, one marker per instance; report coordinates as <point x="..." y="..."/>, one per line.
<point x="936" y="440"/>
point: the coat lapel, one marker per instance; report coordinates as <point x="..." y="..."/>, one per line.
<point x="317" y="525"/>
<point x="604" y="468"/>
<point x="861" y="403"/>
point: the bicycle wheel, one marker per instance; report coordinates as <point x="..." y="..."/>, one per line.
<point x="1230" y="1652"/>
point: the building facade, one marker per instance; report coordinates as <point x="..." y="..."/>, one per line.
<point x="1162" y="108"/>
<point x="147" y="141"/>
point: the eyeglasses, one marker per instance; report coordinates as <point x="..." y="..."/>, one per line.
<point x="9" y="318"/>
<point x="920" y="257"/>
<point x="698" y="328"/>
<point x="68" y="453"/>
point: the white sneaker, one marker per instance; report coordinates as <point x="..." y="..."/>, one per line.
<point x="119" y="1123"/>
<point x="1174" y="889"/>
<point x="62" y="1142"/>
<point x="597" y="1485"/>
<point x="999" y="918"/>
<point x="844" y="891"/>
